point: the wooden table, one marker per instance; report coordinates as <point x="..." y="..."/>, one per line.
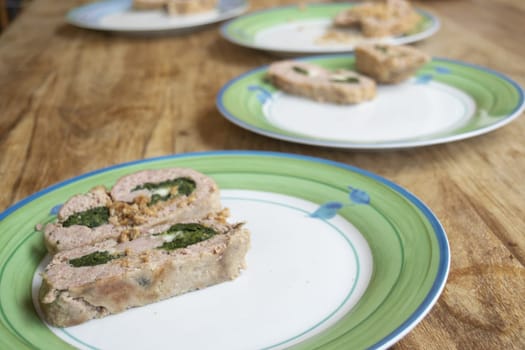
<point x="75" y="100"/>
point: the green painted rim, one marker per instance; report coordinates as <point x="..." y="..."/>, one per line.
<point x="499" y="100"/>
<point x="244" y="29"/>
<point x="408" y="244"/>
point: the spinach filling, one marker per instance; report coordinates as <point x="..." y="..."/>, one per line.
<point x="183" y="235"/>
<point x="186" y="235"/>
<point x="383" y="49"/>
<point x="96" y="258"/>
<point x="91" y="218"/>
<point x="161" y="191"/>
<point x="351" y="80"/>
<point x="300" y="70"/>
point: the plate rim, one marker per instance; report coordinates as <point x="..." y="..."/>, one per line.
<point x="70" y="18"/>
<point x="439" y="232"/>
<point x="519" y="108"/>
<point x="433" y="29"/>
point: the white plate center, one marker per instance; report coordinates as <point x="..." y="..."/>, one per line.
<point x="309" y="35"/>
<point x="154" y="20"/>
<point x="404" y="111"/>
<point x="303" y="275"/>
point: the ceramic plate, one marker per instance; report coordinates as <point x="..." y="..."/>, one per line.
<point x="445" y="101"/>
<point x="118" y="16"/>
<point x="296" y="29"/>
<point x="340" y="258"/>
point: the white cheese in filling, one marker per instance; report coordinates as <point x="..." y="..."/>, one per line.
<point x="162" y="191"/>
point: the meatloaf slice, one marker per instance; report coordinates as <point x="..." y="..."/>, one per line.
<point x="136" y="204"/>
<point x="148" y="4"/>
<point x="389" y="64"/>
<point x="95" y="198"/>
<point x="110" y="277"/>
<point x="189" y="6"/>
<point x="380" y="18"/>
<point x="353" y="16"/>
<point x="152" y="197"/>
<point x="317" y="83"/>
<point x="83" y="219"/>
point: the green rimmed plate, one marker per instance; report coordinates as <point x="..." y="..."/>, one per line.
<point x="302" y="29"/>
<point x="445" y="101"/>
<point x="340" y="258"/>
<point x="119" y="16"/>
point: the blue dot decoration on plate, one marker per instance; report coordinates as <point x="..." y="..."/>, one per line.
<point x="442" y="70"/>
<point x="55" y="209"/>
<point x="329" y="210"/>
<point x="426" y="78"/>
<point x="358" y="196"/>
<point x="263" y="95"/>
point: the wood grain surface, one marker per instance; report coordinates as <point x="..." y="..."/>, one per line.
<point x="75" y="100"/>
